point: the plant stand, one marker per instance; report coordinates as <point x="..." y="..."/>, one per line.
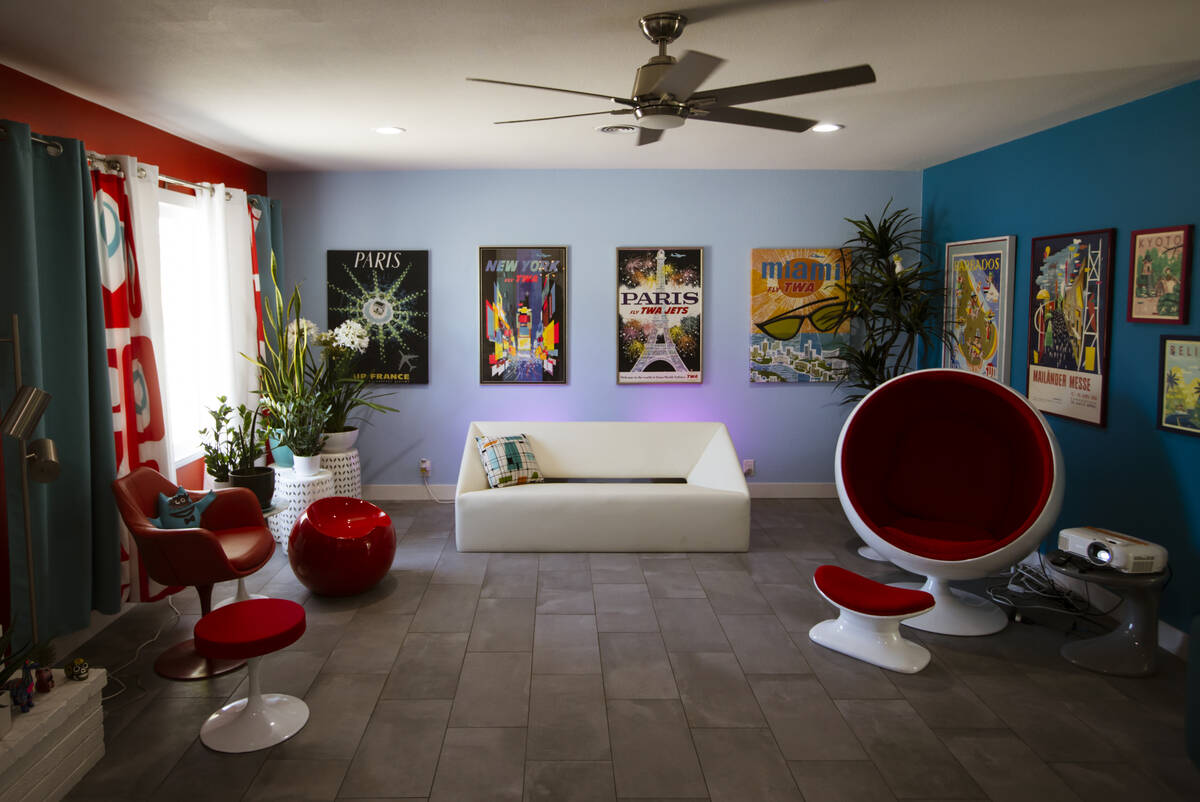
<point x="346" y="470"/>
<point x="50" y="748"/>
<point x="294" y="492"/>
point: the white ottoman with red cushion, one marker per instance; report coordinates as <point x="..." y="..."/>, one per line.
<point x="868" y="626"/>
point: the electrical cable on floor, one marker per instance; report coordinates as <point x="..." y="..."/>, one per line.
<point x="1041" y="593"/>
<point x="429" y="490"/>
<point x="112" y="674"/>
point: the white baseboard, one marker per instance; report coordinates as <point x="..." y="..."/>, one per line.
<point x="757" y="490"/>
<point x="792" y="489"/>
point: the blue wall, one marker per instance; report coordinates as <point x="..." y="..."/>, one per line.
<point x="1136" y="166"/>
<point x="790" y="430"/>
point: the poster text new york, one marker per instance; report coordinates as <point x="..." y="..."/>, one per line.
<point x="528" y="266"/>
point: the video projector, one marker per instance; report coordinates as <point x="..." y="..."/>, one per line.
<point x="1123" y="553"/>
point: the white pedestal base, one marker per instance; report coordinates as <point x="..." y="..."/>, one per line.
<point x="956" y="612"/>
<point x="241" y="595"/>
<point x="294" y="492"/>
<point x="869" y="553"/>
<point x="256" y="722"/>
<point x="872" y="639"/>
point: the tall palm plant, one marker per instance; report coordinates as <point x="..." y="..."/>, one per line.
<point x="893" y="307"/>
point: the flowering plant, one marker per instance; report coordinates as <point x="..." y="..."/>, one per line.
<point x="341" y="349"/>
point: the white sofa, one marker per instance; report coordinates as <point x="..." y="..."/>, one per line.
<point x="710" y="511"/>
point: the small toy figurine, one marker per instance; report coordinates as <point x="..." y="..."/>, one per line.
<point x="21" y="688"/>
<point x="77" y="669"/>
<point x="44" y="679"/>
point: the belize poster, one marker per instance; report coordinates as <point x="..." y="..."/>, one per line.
<point x="1069" y="314"/>
<point x="523" y="309"/>
<point x="388" y="293"/>
<point x="659" y="322"/>
<point x="797" y="296"/>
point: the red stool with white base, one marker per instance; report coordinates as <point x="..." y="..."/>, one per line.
<point x="247" y="630"/>
<point x="868" y="626"/>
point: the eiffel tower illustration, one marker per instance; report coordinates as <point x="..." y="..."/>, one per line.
<point x="660" y="346"/>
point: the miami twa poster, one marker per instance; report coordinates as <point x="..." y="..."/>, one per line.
<point x="1070" y="310"/>
<point x="659" y="299"/>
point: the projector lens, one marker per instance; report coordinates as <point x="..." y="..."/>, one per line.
<point x="1099" y="553"/>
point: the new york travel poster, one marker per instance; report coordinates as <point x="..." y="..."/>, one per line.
<point x="523" y="307"/>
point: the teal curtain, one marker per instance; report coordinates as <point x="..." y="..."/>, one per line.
<point x="50" y="262"/>
<point x="268" y="242"/>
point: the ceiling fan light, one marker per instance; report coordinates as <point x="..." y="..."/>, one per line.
<point x="661" y="118"/>
<point x="827" y="128"/>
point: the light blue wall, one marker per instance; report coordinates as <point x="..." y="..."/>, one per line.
<point x="790" y="430"/>
<point x="1133" y="167"/>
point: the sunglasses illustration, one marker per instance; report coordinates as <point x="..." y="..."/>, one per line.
<point x="825" y="314"/>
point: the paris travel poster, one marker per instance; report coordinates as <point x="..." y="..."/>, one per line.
<point x="659" y="301"/>
<point x="523" y="308"/>
<point x="1069" y="316"/>
<point x="797" y="331"/>
<point x="388" y="293"/>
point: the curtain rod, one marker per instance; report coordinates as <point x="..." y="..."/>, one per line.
<point x="52" y="147"/>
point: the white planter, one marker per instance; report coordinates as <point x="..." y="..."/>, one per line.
<point x="307" y="466"/>
<point x="337" y="442"/>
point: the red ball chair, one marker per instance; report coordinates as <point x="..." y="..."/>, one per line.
<point x="953" y="476"/>
<point x="341" y="546"/>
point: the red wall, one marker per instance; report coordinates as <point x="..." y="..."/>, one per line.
<point x="49" y="110"/>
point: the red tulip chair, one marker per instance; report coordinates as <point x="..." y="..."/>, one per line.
<point x="232" y="542"/>
<point x="952" y="476"/>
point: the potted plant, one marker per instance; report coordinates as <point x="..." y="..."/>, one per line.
<point x="893" y="307"/>
<point x="341" y="349"/>
<point x="248" y="443"/>
<point x="218" y="454"/>
<point x="302" y="419"/>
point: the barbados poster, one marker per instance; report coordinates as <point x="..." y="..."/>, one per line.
<point x="1070" y="302"/>
<point x="797" y="330"/>
<point x="978" y="314"/>
<point x="523" y="312"/>
<point x="388" y="293"/>
<point x="659" y="322"/>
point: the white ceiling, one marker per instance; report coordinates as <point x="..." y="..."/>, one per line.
<point x="301" y="84"/>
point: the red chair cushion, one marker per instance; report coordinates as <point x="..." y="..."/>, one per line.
<point x="250" y="628"/>
<point x="246" y="547"/>
<point x="848" y="589"/>
<point x="950" y="464"/>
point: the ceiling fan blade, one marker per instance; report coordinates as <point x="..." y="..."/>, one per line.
<point x="648" y="135"/>
<point x="623" y="101"/>
<point x="564" y="116"/>
<point x="682" y="79"/>
<point x="787" y="87"/>
<point x="726" y="8"/>
<point x="760" y="119"/>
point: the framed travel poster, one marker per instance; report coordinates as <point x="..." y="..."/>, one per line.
<point x="1159" y="274"/>
<point x="659" y="303"/>
<point x="1179" y="385"/>
<point x="1070" y="314"/>
<point x="797" y="296"/>
<point x="979" y="304"/>
<point x="388" y="293"/>
<point x="523" y="315"/>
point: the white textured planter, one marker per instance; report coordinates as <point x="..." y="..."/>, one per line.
<point x="307" y="466"/>
<point x="337" y="442"/>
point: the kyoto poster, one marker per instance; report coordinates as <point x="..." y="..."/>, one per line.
<point x="523" y="315"/>
<point x="388" y="293"/>
<point x="979" y="304"/>
<point x="797" y="296"/>
<point x="1070" y="310"/>
<point x="659" y="302"/>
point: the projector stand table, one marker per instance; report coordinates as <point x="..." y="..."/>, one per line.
<point x="1130" y="650"/>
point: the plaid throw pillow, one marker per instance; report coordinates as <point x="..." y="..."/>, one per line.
<point x="508" y="460"/>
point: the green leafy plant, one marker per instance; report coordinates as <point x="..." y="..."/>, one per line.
<point x="301" y="419"/>
<point x="893" y="301"/>
<point x="218" y="455"/>
<point x="234" y="442"/>
<point x="341" y="349"/>
<point x="284" y="371"/>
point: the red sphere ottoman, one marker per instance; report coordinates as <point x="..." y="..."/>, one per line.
<point x="341" y="546"/>
<point x="868" y="626"/>
<point x="247" y="630"/>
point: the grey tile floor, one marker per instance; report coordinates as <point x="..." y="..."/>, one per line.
<point x="654" y="676"/>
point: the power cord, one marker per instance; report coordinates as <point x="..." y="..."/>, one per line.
<point x="1036" y="582"/>
<point x="429" y="490"/>
<point x="113" y="673"/>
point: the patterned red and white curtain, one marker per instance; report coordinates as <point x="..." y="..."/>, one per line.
<point x="127" y="214"/>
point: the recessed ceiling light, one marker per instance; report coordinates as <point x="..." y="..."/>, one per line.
<point x="390" y="129"/>
<point x="616" y="129"/>
<point x="827" y="128"/>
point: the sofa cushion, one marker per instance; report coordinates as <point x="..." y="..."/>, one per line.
<point x="508" y="460"/>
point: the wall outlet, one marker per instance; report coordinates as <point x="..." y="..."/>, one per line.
<point x="425" y="466"/>
<point x="748" y="467"/>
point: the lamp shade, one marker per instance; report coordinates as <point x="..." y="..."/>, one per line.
<point x="43" y="460"/>
<point x="24" y="412"/>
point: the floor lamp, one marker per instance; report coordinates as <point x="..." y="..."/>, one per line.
<point x="39" y="459"/>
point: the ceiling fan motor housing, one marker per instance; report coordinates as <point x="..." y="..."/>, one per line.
<point x="648" y="76"/>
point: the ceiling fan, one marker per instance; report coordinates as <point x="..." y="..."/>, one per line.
<point x="665" y="96"/>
